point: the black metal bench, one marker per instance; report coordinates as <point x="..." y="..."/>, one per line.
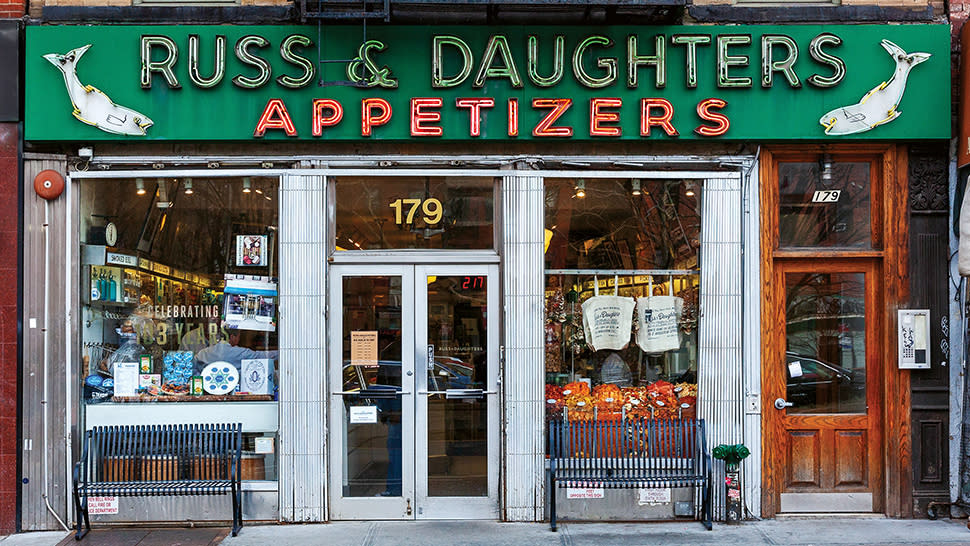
<point x="159" y="460"/>
<point x="631" y="454"/>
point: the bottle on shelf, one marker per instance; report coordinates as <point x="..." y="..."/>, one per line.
<point x="112" y="288"/>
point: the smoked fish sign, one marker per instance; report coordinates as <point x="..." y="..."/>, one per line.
<point x="422" y="83"/>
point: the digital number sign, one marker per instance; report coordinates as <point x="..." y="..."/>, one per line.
<point x="473" y="283"/>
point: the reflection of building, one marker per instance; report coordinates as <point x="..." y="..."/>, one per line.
<point x="472" y="252"/>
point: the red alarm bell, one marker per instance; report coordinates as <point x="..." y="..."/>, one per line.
<point x="49" y="184"/>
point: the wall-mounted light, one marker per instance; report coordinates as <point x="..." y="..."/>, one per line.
<point x="580" y="189"/>
<point x="247" y="185"/>
<point x="188" y="186"/>
<point x="635" y="185"/>
<point x="689" y="189"/>
<point x="825" y="168"/>
<point x="139" y="186"/>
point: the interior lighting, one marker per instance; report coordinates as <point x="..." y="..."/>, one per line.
<point x="139" y="186"/>
<point x="689" y="192"/>
<point x="247" y="185"/>
<point x="188" y="186"/>
<point x="635" y="184"/>
<point x="826" y="168"/>
<point x="580" y="189"/>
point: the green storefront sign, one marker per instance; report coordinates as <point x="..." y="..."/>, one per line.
<point x="204" y="83"/>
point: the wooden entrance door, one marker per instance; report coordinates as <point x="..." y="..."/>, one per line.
<point x="822" y="386"/>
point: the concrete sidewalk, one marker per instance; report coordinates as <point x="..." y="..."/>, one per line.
<point x="778" y="531"/>
<point x="788" y="531"/>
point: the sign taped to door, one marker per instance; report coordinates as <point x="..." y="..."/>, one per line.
<point x="363" y="348"/>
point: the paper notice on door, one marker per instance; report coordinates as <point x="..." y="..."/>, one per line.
<point x="795" y="369"/>
<point x="102" y="505"/>
<point x="363" y="415"/>
<point x="585" y="493"/>
<point x="363" y="348"/>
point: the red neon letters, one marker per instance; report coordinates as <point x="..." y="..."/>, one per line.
<point x="607" y="117"/>
<point x="275" y="116"/>
<point x="320" y="121"/>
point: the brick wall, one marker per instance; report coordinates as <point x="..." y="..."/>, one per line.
<point x="12" y="9"/>
<point x="9" y="222"/>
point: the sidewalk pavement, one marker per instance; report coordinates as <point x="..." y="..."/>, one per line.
<point x="788" y="531"/>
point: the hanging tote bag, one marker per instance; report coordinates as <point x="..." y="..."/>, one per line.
<point x="607" y="321"/>
<point x="657" y="318"/>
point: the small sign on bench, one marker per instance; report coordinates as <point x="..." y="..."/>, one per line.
<point x="653" y="495"/>
<point x="585" y="493"/>
<point x="102" y="505"/>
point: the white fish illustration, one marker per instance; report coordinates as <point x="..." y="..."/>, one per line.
<point x="878" y="107"/>
<point x="93" y="107"/>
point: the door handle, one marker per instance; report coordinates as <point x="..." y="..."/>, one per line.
<point x="461" y="394"/>
<point x="781" y="403"/>
<point x="372" y="393"/>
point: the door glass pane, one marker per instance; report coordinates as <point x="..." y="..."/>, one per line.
<point x="824" y="204"/>
<point x="372" y="442"/>
<point x="825" y="360"/>
<point x="457" y="421"/>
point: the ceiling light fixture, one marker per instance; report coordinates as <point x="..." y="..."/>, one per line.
<point x="689" y="189"/>
<point x="139" y="186"/>
<point x="635" y="184"/>
<point x="188" y="187"/>
<point x="826" y="168"/>
<point x="580" y="189"/>
<point x="247" y="185"/>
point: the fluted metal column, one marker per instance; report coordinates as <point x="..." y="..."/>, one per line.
<point x="524" y="366"/>
<point x="719" y="370"/>
<point x="302" y="373"/>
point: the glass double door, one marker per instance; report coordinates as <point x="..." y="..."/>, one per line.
<point x="414" y="389"/>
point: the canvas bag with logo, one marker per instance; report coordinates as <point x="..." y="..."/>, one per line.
<point x="657" y="319"/>
<point x="607" y="321"/>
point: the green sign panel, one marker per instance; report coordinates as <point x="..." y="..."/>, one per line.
<point x="417" y="83"/>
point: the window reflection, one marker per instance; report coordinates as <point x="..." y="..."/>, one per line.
<point x="622" y="223"/>
<point x="826" y="342"/>
<point x="422" y="212"/>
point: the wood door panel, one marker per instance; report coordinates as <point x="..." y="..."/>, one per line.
<point x="851" y="455"/>
<point x="804" y="459"/>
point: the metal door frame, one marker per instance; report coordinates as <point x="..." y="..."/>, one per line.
<point x="457" y="507"/>
<point x="370" y="507"/>
<point x="414" y="502"/>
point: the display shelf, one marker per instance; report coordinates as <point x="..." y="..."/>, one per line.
<point x="187" y="398"/>
<point x="254" y="416"/>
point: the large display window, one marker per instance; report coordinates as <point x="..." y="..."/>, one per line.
<point x="622" y="286"/>
<point x="179" y="319"/>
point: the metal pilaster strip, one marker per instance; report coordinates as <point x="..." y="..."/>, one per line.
<point x="524" y="366"/>
<point x="302" y="373"/>
<point x="719" y="370"/>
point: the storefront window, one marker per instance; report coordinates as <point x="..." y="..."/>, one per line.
<point x="621" y="299"/>
<point x="421" y="212"/>
<point x="825" y="204"/>
<point x="622" y="223"/>
<point x="179" y="321"/>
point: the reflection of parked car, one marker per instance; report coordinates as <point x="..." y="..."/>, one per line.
<point x="824" y="387"/>
<point x="448" y="373"/>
